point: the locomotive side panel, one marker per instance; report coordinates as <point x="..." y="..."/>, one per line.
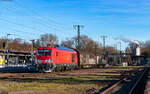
<point x="63" y="57"/>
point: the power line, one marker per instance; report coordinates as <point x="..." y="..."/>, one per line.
<point x="42" y="22"/>
<point x="16" y="23"/>
<point x="39" y="15"/>
<point x="20" y="31"/>
<point x="35" y="29"/>
<point x="37" y="19"/>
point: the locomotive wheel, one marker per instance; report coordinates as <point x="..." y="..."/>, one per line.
<point x="57" y="69"/>
<point x="63" y="68"/>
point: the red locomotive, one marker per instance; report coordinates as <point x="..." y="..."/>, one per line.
<point x="56" y="58"/>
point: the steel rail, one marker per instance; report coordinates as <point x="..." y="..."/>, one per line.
<point x="137" y="82"/>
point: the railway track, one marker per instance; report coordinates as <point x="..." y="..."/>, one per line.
<point x="131" y="84"/>
<point x="113" y="73"/>
<point x="17" y="69"/>
<point x="139" y="86"/>
<point x="22" y="68"/>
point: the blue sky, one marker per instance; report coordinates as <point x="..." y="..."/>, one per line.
<point x="28" y="19"/>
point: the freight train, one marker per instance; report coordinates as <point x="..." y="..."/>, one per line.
<point x="56" y="58"/>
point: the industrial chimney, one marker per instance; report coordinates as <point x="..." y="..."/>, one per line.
<point x="137" y="50"/>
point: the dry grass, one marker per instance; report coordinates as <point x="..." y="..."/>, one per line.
<point x="74" y="82"/>
<point x="47" y="88"/>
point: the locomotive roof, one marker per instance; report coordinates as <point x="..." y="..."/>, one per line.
<point x="64" y="48"/>
<point x="61" y="48"/>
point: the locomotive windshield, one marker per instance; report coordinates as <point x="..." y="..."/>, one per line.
<point x="44" y="52"/>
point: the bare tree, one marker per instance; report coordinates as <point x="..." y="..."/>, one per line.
<point x="68" y="43"/>
<point x="48" y="39"/>
<point x="146" y="48"/>
<point x="87" y="45"/>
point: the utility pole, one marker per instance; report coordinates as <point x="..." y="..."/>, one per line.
<point x="115" y="54"/>
<point x="78" y="27"/>
<point x="115" y="46"/>
<point x="104" y="41"/>
<point x="32" y="50"/>
<point x="95" y="49"/>
<point x="7" y="47"/>
<point x="32" y="44"/>
<point x="120" y="52"/>
<point x="120" y="46"/>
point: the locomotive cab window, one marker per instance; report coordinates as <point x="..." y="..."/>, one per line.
<point x="73" y="57"/>
<point x="44" y="52"/>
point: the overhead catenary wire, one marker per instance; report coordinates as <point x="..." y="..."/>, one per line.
<point x="20" y="31"/>
<point x="19" y="24"/>
<point x="44" y="18"/>
<point x="39" y="21"/>
<point x="39" y="15"/>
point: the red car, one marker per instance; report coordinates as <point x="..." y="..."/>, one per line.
<point x="56" y="58"/>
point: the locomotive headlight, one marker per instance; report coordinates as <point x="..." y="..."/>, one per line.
<point x="48" y="61"/>
<point x="39" y="61"/>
